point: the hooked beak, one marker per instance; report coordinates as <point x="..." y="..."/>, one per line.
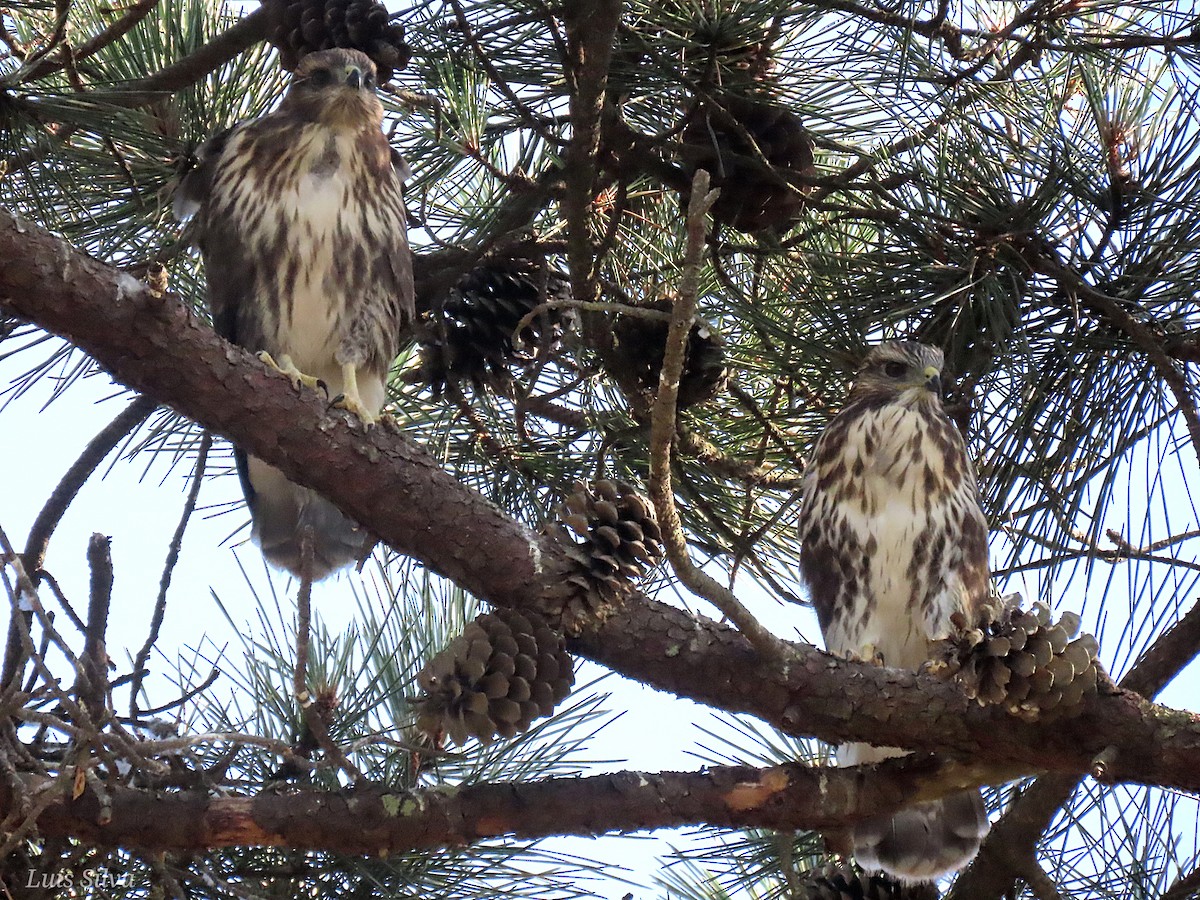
<point x="933" y="379"/>
<point x="354" y="77"/>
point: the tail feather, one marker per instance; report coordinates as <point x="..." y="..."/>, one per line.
<point x="925" y="841"/>
<point x="281" y="510"/>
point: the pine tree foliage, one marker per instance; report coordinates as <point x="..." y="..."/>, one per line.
<point x="1014" y="182"/>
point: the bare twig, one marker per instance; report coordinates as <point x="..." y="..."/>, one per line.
<point x="92" y="686"/>
<point x="115" y="31"/>
<point x="160" y="603"/>
<point x="662" y="434"/>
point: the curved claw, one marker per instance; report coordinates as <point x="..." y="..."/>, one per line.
<point x="286" y="367"/>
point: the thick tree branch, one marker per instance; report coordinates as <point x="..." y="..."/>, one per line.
<point x="373" y="819"/>
<point x="397" y="489"/>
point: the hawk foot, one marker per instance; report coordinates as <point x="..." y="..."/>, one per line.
<point x="867" y="653"/>
<point x="352" y="404"/>
<point x="351" y="400"/>
<point x="285" y="366"/>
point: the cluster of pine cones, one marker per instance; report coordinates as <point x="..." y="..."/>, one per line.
<point x="508" y="668"/>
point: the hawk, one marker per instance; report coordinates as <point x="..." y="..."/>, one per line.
<point x="299" y="216"/>
<point x="893" y="542"/>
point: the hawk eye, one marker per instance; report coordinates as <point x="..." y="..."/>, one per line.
<point x="895" y="369"/>
<point x="320" y="78"/>
<point x="369" y="82"/>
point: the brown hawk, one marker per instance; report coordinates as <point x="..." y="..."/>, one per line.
<point x="300" y="218"/>
<point x="893" y="542"/>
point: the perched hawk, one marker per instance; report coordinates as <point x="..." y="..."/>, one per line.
<point x="893" y="541"/>
<point x="299" y="216"/>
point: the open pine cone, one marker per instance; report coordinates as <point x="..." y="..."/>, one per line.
<point x="473" y="341"/>
<point x="610" y="533"/>
<point x="506" y="669"/>
<point x="1035" y="668"/>
<point x="753" y="197"/>
<point x="845" y="882"/>
<point x="300" y="27"/>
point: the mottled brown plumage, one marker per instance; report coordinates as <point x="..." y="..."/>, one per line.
<point x="894" y="542"/>
<point x="300" y="218"/>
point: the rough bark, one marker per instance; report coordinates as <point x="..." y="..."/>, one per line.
<point x="374" y="819"/>
<point x="388" y="482"/>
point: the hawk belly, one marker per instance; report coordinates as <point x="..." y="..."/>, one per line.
<point x="881" y="544"/>
<point x="315" y="217"/>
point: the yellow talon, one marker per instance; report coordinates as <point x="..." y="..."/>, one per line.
<point x="285" y="366"/>
<point x="350" y="399"/>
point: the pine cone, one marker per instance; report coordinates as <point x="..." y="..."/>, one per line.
<point x="474" y="340"/>
<point x="753" y="198"/>
<point x="846" y="882"/>
<point x="640" y="344"/>
<point x="506" y="669"/>
<point x="299" y="27"/>
<point x="1022" y="660"/>
<point x="612" y="538"/>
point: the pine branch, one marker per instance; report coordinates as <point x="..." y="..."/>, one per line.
<point x="373" y="818"/>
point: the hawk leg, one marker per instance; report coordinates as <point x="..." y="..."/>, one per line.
<point x="350" y="399"/>
<point x="285" y="366"/>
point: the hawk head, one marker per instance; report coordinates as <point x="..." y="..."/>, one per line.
<point x="900" y="371"/>
<point x="336" y="88"/>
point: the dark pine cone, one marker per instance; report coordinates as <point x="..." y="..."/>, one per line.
<point x="1022" y="660"/>
<point x="612" y="538"/>
<point x="299" y="27"/>
<point x="753" y="197"/>
<point x="506" y="669"/>
<point x="845" y="882"/>
<point x="639" y="346"/>
<point x="473" y="341"/>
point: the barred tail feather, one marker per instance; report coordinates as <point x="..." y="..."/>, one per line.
<point x="925" y="841"/>
<point x="280" y="511"/>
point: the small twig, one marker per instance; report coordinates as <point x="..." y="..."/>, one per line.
<point x="115" y="31"/>
<point x="91" y="687"/>
<point x="311" y="711"/>
<point x="160" y="603"/>
<point x="303" y="620"/>
<point x="662" y="433"/>
<point x="604" y="306"/>
<point x="178" y="701"/>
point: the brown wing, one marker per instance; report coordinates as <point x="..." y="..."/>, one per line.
<point x="229" y="269"/>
